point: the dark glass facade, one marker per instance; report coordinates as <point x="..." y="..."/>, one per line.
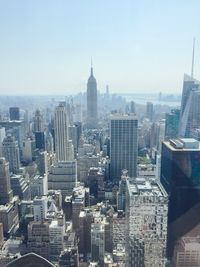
<point x="180" y="176"/>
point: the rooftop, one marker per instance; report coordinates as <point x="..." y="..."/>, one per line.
<point x="144" y="187"/>
<point x="123" y="117"/>
<point x="183" y="144"/>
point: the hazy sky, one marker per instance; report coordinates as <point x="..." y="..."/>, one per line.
<point x="136" y="46"/>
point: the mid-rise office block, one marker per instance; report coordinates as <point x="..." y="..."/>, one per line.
<point x="38" y="186"/>
<point x="40" y="208"/>
<point x="38" y="239"/>
<point x="63" y="176"/>
<point x="146" y="215"/>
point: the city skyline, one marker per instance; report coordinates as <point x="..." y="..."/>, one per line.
<point x="99" y="133"/>
<point x="46" y="47"/>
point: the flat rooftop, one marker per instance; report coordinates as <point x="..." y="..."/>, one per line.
<point x="183" y="144"/>
<point x="123" y="117"/>
<point x="143" y="187"/>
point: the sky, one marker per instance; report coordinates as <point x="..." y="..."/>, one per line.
<point x="137" y="46"/>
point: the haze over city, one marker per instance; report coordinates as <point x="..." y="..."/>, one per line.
<point x="136" y="46"/>
<point x="99" y="133"/>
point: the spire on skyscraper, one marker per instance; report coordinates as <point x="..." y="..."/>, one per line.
<point x="91" y="67"/>
<point x="92" y="100"/>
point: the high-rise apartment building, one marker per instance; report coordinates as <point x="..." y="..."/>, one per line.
<point x="123" y="145"/>
<point x="11" y="153"/>
<point x="146" y="215"/>
<point x="180" y="176"/>
<point x="92" y="114"/>
<point x="6" y="192"/>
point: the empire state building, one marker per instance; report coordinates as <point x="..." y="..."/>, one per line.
<point x="92" y="116"/>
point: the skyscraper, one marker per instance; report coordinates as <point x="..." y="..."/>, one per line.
<point x="180" y="176"/>
<point x="190" y="107"/>
<point x="11" y="153"/>
<point x="172" y="123"/>
<point x="6" y="192"/>
<point x="2" y="136"/>
<point x="38" y="125"/>
<point x="92" y="114"/>
<point x="14" y="113"/>
<point x="149" y="111"/>
<point x="61" y="132"/>
<point x="123" y="145"/>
